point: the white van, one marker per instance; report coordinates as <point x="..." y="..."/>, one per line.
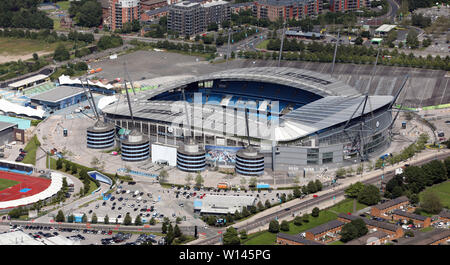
<point x="128" y="191"/>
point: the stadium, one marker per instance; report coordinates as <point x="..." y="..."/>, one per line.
<point x="298" y="119"/>
<point x="19" y="185"/>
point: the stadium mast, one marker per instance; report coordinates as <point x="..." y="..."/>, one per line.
<point x="282" y="42"/>
<point x="335" y="51"/>
<point x="89" y="98"/>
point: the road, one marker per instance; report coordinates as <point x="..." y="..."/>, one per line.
<point x="306" y="203"/>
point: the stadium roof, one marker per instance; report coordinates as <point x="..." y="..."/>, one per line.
<point x="313" y="82"/>
<point x="338" y="104"/>
<point x="58" y="94"/>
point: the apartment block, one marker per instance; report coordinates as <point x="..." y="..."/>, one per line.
<point x="190" y="18"/>
<point x="123" y="11"/>
<point x="287" y="9"/>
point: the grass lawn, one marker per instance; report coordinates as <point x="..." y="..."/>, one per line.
<point x="267" y="238"/>
<point x="263" y="45"/>
<point x="13" y="46"/>
<point x="31" y="148"/>
<point x="442" y="190"/>
<point x="427" y="229"/>
<point x="339" y="242"/>
<point x="6" y="183"/>
<point x="64" y="5"/>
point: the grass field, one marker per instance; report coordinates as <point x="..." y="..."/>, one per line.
<point x="12" y="46"/>
<point x="442" y="191"/>
<point x="267" y="238"/>
<point x="263" y="45"/>
<point x="64" y="5"/>
<point x="6" y="183"/>
<point x="31" y="148"/>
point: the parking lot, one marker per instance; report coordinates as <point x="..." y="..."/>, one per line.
<point x="86" y="236"/>
<point x="153" y="201"/>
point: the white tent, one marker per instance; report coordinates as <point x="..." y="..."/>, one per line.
<point x="9" y="107"/>
<point x="105" y="101"/>
<point x="66" y="80"/>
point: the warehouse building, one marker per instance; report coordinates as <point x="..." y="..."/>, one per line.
<point x="59" y="98"/>
<point x="222" y="204"/>
<point x="29" y="82"/>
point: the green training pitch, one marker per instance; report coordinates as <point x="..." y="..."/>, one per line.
<point x="6" y="183"/>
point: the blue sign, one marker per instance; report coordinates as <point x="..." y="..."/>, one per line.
<point x="382" y="176"/>
<point x="159" y="198"/>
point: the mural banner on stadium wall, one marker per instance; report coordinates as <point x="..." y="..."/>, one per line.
<point x="221" y="154"/>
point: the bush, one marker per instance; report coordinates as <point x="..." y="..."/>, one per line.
<point x="298" y="221"/>
<point x="284" y="226"/>
<point x="274" y="226"/>
<point x="315" y="212"/>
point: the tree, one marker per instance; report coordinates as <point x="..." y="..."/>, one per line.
<point x="84" y="218"/>
<point x="176" y="231"/>
<point x="297" y="193"/>
<point x="106" y="220"/>
<point x="412" y="39"/>
<point x="35" y="56"/>
<point x="188" y="179"/>
<point x="267" y="204"/>
<point x="318" y="185"/>
<point x="341" y="172"/>
<point x="260" y="206"/>
<point x="59" y="163"/>
<point x="360" y="226"/>
<point x="94" y="218"/>
<point x="61" y="53"/>
<point x="138" y="220"/>
<point x="284" y="226"/>
<point x="252" y="182"/>
<point x="127" y="220"/>
<point x="199" y="180"/>
<point x="89" y="14"/>
<point x="298" y="220"/>
<point x="348" y="232"/>
<point x="60" y="217"/>
<point x="230" y="237"/>
<point x="164" y="228"/>
<point x="311" y="187"/>
<point x="68" y="166"/>
<point x="354" y="189"/>
<point x="74" y="169"/>
<point x="163" y="175"/>
<point x="305" y="218"/>
<point x="170" y="235"/>
<point x="315" y="212"/>
<point x="369" y="195"/>
<point x="243" y="234"/>
<point x="274" y="226"/>
<point x="431" y="203"/>
<point x="152" y="221"/>
<point x="70" y="218"/>
<point x="359" y="41"/>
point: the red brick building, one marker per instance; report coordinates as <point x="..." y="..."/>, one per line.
<point x="122" y="11"/>
<point x="419" y="220"/>
<point x="435" y="237"/>
<point x="153" y="4"/>
<point x="346" y="5"/>
<point x="287" y="9"/>
<point x="326" y="232"/>
<point x="286" y="239"/>
<point x="381" y="210"/>
<point x="394" y="231"/>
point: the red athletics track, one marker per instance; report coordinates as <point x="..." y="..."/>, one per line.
<point x="36" y="185"/>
